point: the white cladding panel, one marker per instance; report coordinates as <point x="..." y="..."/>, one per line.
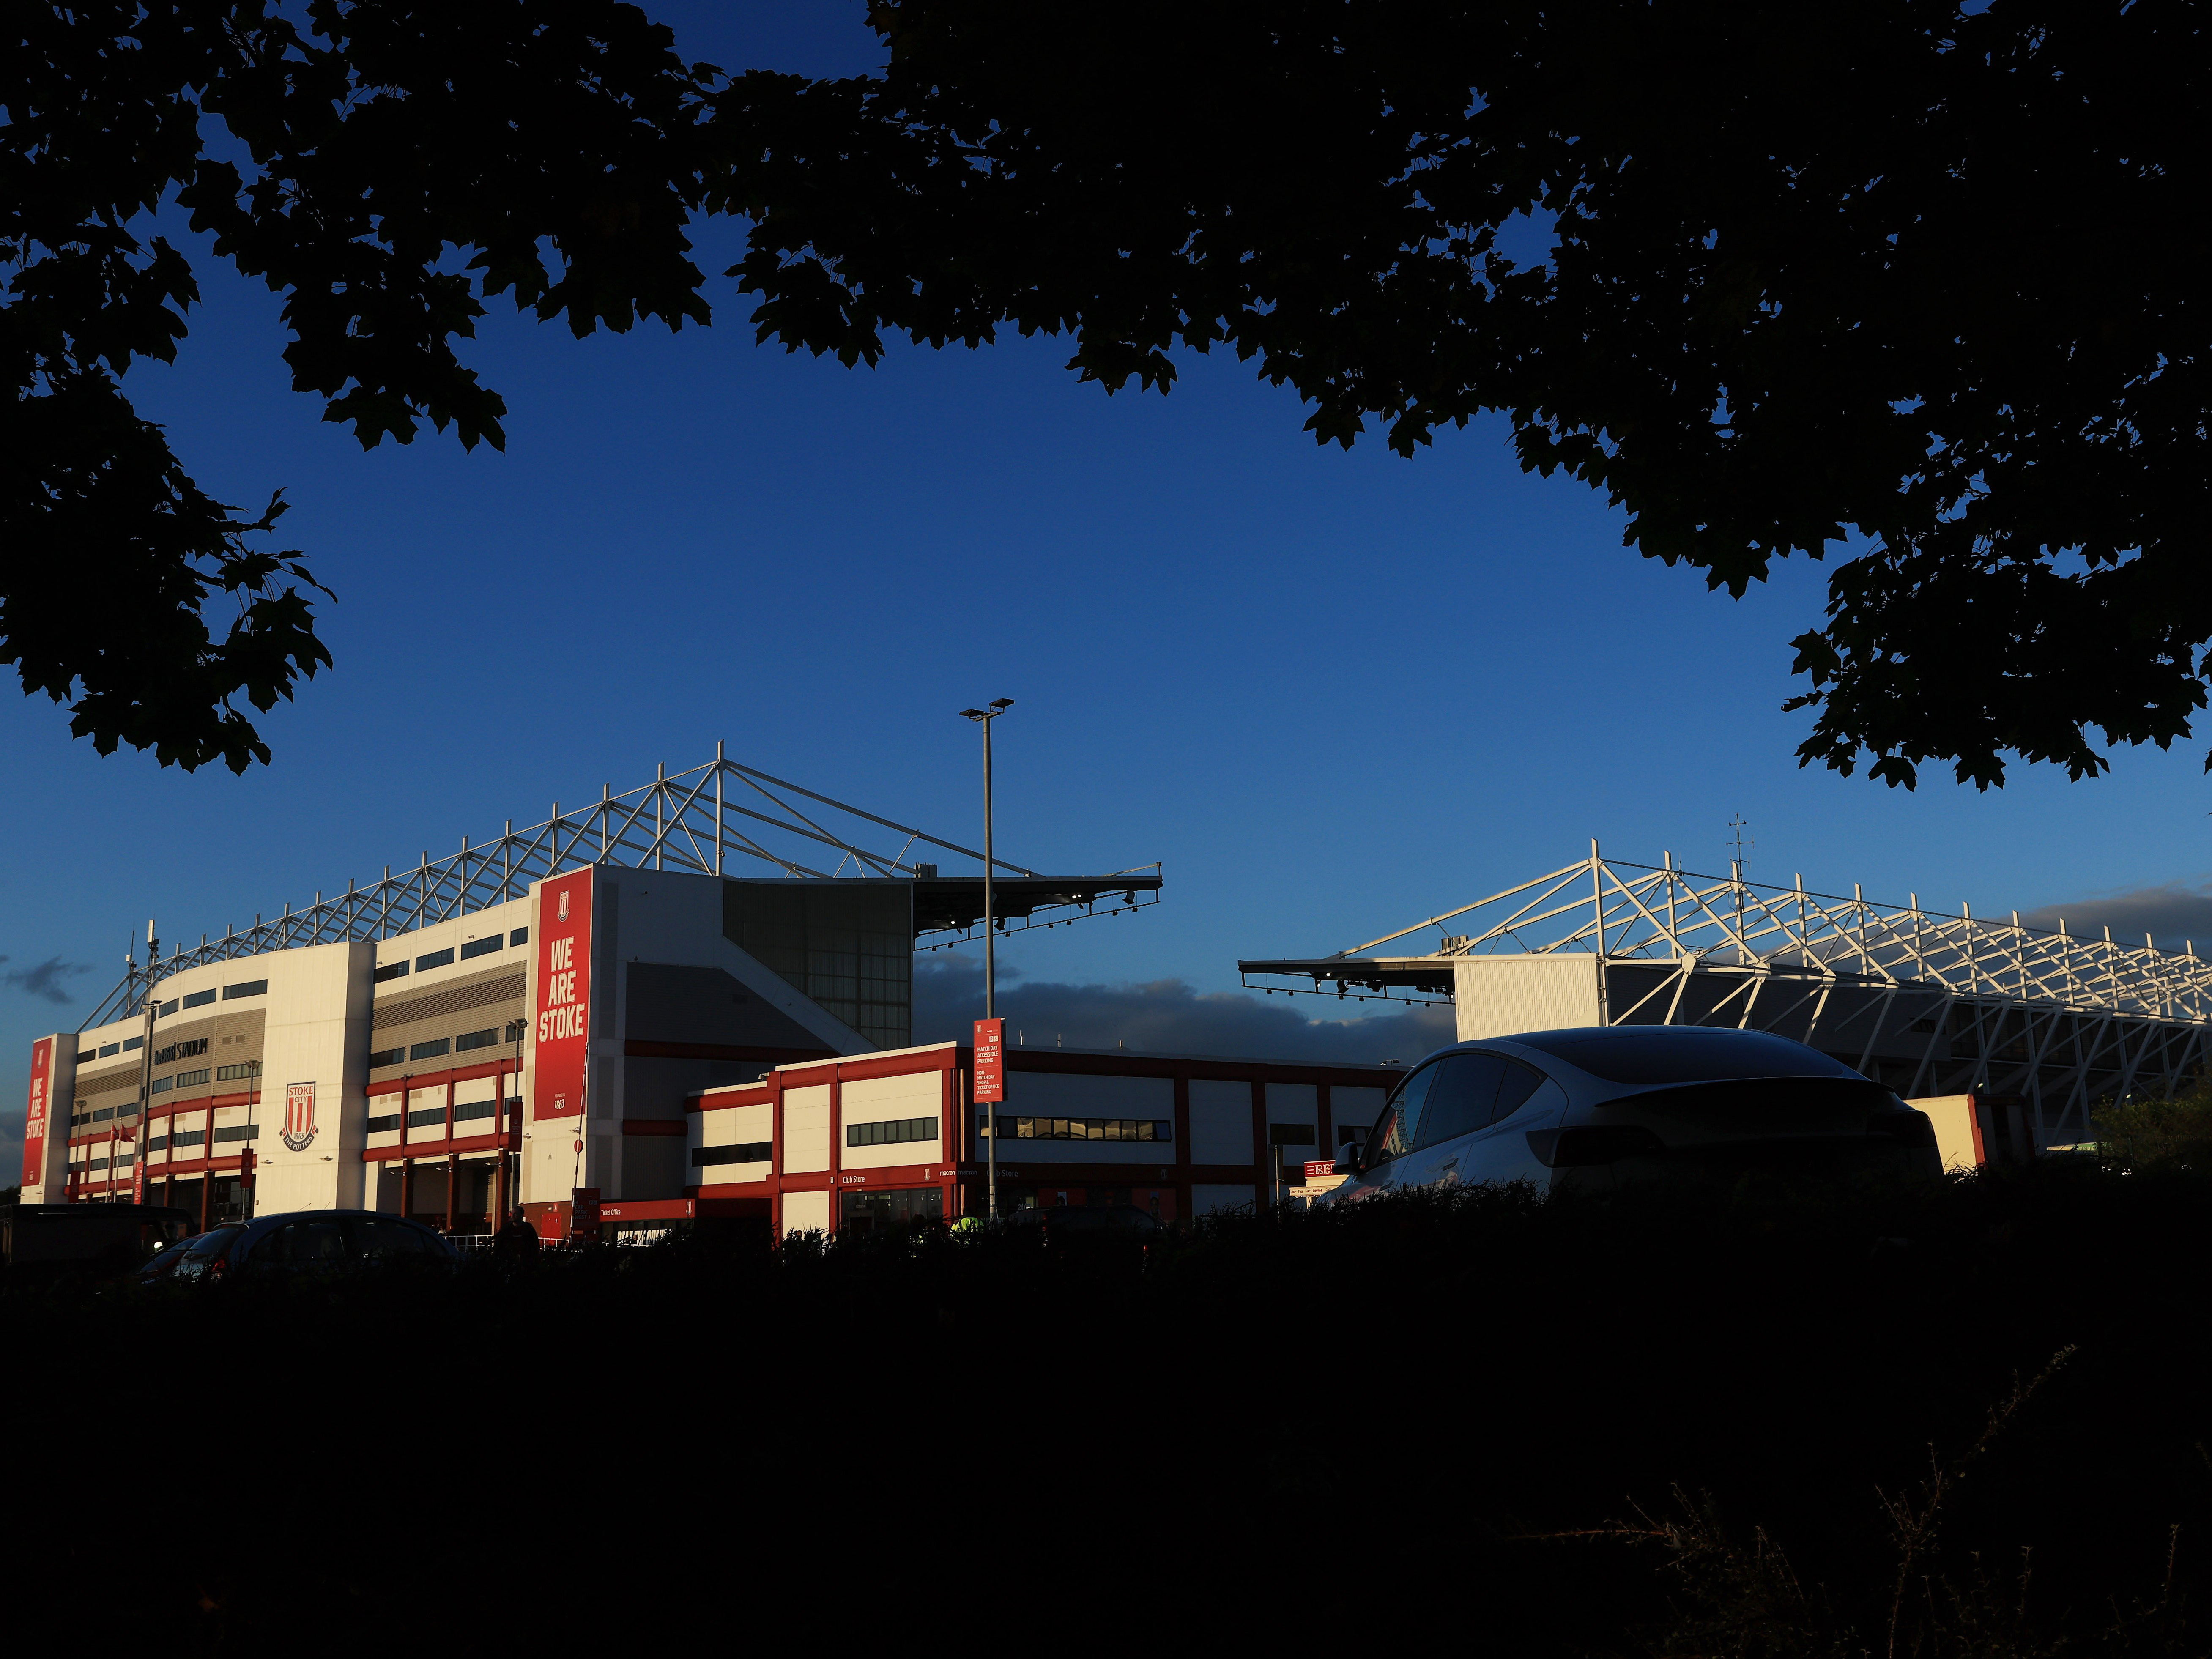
<point x="805" y="1213"/>
<point x="806" y="1134"/>
<point x="315" y="1037"/>
<point x="1220" y="1126"/>
<point x="1500" y="996"/>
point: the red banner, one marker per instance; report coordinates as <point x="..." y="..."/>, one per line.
<point x="990" y="1060"/>
<point x="34" y="1115"/>
<point x="563" y="935"/>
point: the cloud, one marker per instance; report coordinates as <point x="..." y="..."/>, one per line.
<point x="1166" y="1017"/>
<point x="45" y="979"/>
<point x="2171" y="913"/>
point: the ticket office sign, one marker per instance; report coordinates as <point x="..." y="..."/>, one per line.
<point x="562" y="1017"/>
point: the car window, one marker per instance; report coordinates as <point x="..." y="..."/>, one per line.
<point x="382" y="1235"/>
<point x="269" y="1250"/>
<point x="1460" y="1101"/>
<point x="1399" y="1128"/>
<point x="213" y="1242"/>
<point x="1513" y="1091"/>
<point x="320" y="1243"/>
<point x="1683" y="1054"/>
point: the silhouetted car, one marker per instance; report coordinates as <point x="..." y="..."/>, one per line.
<point x="97" y="1236"/>
<point x="312" y="1241"/>
<point x="1601" y="1107"/>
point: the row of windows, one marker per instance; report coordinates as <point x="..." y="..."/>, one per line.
<point x="107" y="1048"/>
<point x="251" y="987"/>
<point x="747" y="1152"/>
<point x="198" y="1137"/>
<point x="232" y="1073"/>
<point x="1082" y="1128"/>
<point x="892" y="1132"/>
<point x="429" y="959"/>
<point x="437" y="1048"/>
<point x="467" y="1112"/>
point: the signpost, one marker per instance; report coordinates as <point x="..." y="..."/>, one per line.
<point x="990" y="1090"/>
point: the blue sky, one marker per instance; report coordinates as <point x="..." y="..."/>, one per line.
<point x="1333" y="692"/>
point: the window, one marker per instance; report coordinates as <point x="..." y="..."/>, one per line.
<point x="520" y="936"/>
<point x="103" y="1115"/>
<point x="1400" y="1123"/>
<point x="893" y="1133"/>
<point x="232" y="1073"/>
<point x="1461" y="1100"/>
<point x="482" y="947"/>
<point x="389" y="971"/>
<point x="252" y="987"/>
<point x="189" y="1138"/>
<point x="187" y="1079"/>
<point x="238" y="1131"/>
<point x="158" y="1143"/>
<point x="1352" y="1134"/>
<point x="1521" y="1082"/>
<point x="132" y="1042"/>
<point x="1081" y="1129"/>
<point x="513" y="1031"/>
<point x="83" y="1055"/>
<point x="125" y="1157"/>
<point x="469" y="1040"/>
<point x="1292" y="1134"/>
<point x="200" y="999"/>
<point x="166" y="1010"/>
<point x="384" y="1125"/>
<point x="475" y="1109"/>
<point x="430" y="1050"/>
<point x="427" y="1116"/>
<point x="387" y="1056"/>
<point x="107" y="1048"/>
<point x="878" y="1211"/>
<point x="748" y="1152"/>
<point x="430" y="959"/>
<point x="388" y="1236"/>
<point x="163" y="1084"/>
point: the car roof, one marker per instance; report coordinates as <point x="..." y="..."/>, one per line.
<point x="1672" y="1054"/>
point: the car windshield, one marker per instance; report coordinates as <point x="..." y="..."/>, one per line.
<point x="1683" y="1054"/>
<point x="208" y="1244"/>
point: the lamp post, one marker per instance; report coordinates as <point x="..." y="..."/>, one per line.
<point x="983" y="717"/>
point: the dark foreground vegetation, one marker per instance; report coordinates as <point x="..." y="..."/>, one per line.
<point x="1961" y="1421"/>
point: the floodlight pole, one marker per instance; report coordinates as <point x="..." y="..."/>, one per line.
<point x="983" y="717"/>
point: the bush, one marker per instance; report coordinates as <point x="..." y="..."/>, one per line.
<point x="2157" y="1134"/>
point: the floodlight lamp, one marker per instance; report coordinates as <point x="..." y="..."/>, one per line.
<point x="971" y="714"/>
<point x="1003" y="702"/>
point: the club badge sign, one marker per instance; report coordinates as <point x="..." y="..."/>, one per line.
<point x="34" y="1114"/>
<point x="298" y="1117"/>
<point x="563" y="1012"/>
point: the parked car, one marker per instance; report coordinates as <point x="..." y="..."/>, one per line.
<point x="311" y="1241"/>
<point x="164" y="1265"/>
<point x="97" y="1236"/>
<point x="1601" y="1107"/>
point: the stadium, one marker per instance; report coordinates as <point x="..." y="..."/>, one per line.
<point x="584" y="1018"/>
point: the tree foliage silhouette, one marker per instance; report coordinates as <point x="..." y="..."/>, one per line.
<point x="1925" y="280"/>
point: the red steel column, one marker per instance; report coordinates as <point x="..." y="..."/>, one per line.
<point x="836" y="1143"/>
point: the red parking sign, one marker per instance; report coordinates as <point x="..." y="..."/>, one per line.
<point x="990" y="1060"/>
